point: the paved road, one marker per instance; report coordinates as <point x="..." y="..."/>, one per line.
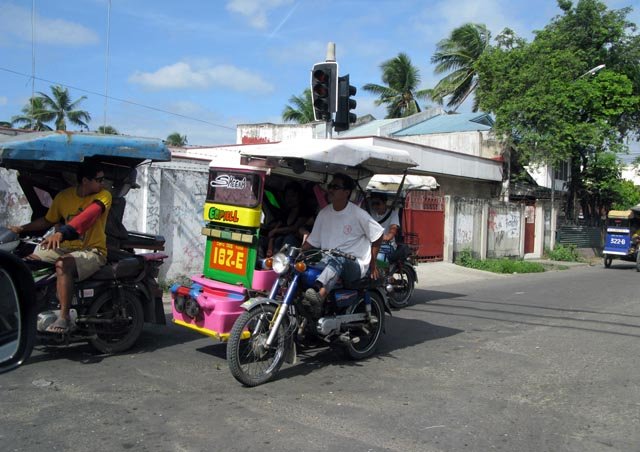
<point x="516" y="363"/>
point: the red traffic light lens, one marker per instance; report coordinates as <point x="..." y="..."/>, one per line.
<point x="321" y="76"/>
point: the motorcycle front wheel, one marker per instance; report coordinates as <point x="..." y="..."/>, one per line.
<point x="251" y="362"/>
<point x="368" y="338"/>
<point x="117" y="322"/>
<point x="403" y="284"/>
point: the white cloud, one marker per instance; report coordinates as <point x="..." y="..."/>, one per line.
<point x="4" y="100"/>
<point x="183" y="75"/>
<point x="255" y="10"/>
<point x="15" y="22"/>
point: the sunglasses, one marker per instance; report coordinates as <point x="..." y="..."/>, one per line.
<point x="335" y="187"/>
<point x="376" y="203"/>
<point x="99" y="179"/>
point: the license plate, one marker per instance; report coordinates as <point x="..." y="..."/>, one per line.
<point x="229" y="257"/>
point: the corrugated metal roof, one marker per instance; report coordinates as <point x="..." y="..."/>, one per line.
<point x="367" y="129"/>
<point x="459" y="122"/>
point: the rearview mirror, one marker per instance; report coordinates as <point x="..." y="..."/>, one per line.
<point x="17" y="312"/>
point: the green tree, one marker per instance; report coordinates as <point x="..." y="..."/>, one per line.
<point x="107" y="130"/>
<point x="34" y="116"/>
<point x="302" y="109"/>
<point x="400" y="94"/>
<point x="551" y="107"/>
<point x="62" y="108"/>
<point x="457" y="55"/>
<point x="628" y="195"/>
<point x="175" y="139"/>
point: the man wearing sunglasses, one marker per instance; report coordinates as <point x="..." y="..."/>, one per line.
<point x="344" y="226"/>
<point x="79" y="245"/>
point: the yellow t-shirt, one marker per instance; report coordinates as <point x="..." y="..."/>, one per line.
<point x="67" y="204"/>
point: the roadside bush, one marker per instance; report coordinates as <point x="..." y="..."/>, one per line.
<point x="505" y="265"/>
<point x="566" y="253"/>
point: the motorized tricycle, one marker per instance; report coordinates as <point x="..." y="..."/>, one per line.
<point x="239" y="287"/>
<point x="109" y="308"/>
<point x="622" y="236"/>
<point x="397" y="260"/>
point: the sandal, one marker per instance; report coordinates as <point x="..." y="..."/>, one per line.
<point x="60" y="326"/>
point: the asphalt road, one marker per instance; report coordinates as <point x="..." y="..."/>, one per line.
<point x="539" y="362"/>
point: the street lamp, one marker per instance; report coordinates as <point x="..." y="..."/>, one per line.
<point x="593" y="70"/>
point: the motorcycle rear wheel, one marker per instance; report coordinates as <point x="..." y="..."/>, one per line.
<point x="403" y="284"/>
<point x="367" y="343"/>
<point x="249" y="361"/>
<point x="128" y="318"/>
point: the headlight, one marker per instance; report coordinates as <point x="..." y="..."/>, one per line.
<point x="280" y="263"/>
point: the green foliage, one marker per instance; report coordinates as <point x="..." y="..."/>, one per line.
<point x="549" y="105"/>
<point x="504" y="265"/>
<point x="400" y="95"/>
<point x="564" y="253"/>
<point x="302" y="110"/>
<point x="627" y="195"/>
<point x="175" y="139"/>
<point x="458" y="55"/>
<point x="107" y="130"/>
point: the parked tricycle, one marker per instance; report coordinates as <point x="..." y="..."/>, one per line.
<point x="622" y="237"/>
<point x="253" y="300"/>
<point x="109" y="308"/>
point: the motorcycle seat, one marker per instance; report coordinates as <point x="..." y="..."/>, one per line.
<point x="363" y="283"/>
<point x="128" y="267"/>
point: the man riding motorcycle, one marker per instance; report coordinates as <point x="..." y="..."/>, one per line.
<point x="78" y="247"/>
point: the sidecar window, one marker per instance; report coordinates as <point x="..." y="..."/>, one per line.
<point x="234" y="188"/>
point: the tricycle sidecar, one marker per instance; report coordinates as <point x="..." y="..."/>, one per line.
<point x="621" y="239"/>
<point x="244" y="193"/>
<point x="46" y="163"/>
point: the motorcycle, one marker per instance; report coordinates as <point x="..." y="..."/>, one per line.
<point x="399" y="274"/>
<point x="271" y="329"/>
<point x="109" y="309"/>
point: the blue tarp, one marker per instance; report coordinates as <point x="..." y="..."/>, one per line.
<point x="75" y="147"/>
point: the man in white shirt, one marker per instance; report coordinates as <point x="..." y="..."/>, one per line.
<point x="344" y="226"/>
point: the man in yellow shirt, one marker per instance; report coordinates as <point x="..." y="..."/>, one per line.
<point x="79" y="246"/>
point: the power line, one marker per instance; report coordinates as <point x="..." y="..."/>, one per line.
<point x="130" y="102"/>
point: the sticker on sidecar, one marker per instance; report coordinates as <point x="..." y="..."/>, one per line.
<point x="228" y="257"/>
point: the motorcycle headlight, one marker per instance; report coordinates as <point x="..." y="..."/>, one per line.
<point x="280" y="263"/>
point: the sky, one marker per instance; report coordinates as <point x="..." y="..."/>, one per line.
<point x="200" y="67"/>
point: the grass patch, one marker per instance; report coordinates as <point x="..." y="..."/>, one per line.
<point x="564" y="253"/>
<point x="504" y="265"/>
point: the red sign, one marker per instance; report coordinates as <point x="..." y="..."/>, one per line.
<point x="228" y="257"/>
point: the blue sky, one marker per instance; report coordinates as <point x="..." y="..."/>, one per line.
<point x="225" y="62"/>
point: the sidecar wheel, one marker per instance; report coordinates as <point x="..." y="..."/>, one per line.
<point x="607" y="261"/>
<point x="368" y="342"/>
<point x="249" y="361"/>
<point x="128" y="319"/>
<point x="403" y="284"/>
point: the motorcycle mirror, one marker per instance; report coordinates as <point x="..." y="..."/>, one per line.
<point x="17" y="312"/>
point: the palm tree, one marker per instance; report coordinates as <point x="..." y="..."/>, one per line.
<point x="107" y="130"/>
<point x="62" y="108"/>
<point x="34" y="116"/>
<point x="400" y="95"/>
<point x="175" y="139"/>
<point x="458" y="55"/>
<point x="302" y="112"/>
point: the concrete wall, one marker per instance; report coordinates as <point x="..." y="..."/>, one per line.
<point x="477" y="143"/>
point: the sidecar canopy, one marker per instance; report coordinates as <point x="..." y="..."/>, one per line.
<point x="354" y="157"/>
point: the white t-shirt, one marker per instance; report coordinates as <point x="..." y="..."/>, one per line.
<point x="351" y="230"/>
<point x="391" y="219"/>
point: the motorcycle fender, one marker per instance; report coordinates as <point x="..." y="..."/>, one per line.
<point x="410" y="268"/>
<point x="385" y="299"/>
<point x="253" y="302"/>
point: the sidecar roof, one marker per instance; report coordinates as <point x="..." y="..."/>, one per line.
<point x="63" y="146"/>
<point x="328" y="156"/>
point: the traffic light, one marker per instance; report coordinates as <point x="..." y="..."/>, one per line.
<point x="343" y="115"/>
<point x="324" y="89"/>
